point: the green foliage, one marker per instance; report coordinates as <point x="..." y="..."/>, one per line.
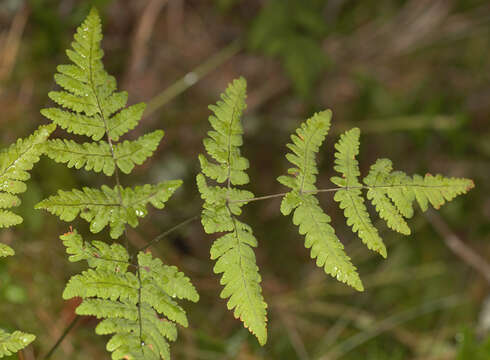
<point x="139" y="309"/>
<point x="295" y="40"/>
<point x="93" y="107"/>
<point x="15" y="162"/>
<point x="114" y="207"/>
<point x="391" y="193"/>
<point x="350" y="196"/>
<point x="222" y="204"/>
<point x="11" y="343"/>
<point x="325" y="246"/>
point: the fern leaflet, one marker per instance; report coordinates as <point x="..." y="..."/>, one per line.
<point x="12" y="343"/>
<point x="142" y="313"/>
<point x="308" y="215"/>
<point x="15" y="162"/>
<point x="350" y="196"/>
<point x="222" y="204"/>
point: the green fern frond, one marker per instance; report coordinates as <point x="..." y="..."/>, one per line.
<point x="15" y="163"/>
<point x="326" y="248"/>
<point x="98" y="156"/>
<point x="94" y="108"/>
<point x="115" y="207"/>
<point x="11" y="343"/>
<point x="6" y="250"/>
<point x="397" y="191"/>
<point x="233" y="252"/>
<point x="138" y="309"/>
<point x="19" y="158"/>
<point x="92" y="105"/>
<point x="350" y="196"/>
<point x="379" y="174"/>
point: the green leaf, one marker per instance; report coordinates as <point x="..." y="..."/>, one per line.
<point x="305" y="144"/>
<point x="115" y="207"/>
<point x="19" y="158"/>
<point x="98" y="156"/>
<point x="6" y="250"/>
<point x="377" y="179"/>
<point x="233" y="252"/>
<point x="350" y="196"/>
<point x="12" y="343"/>
<point x="313" y="223"/>
<point x="136" y="308"/>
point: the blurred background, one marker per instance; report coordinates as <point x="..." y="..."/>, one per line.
<point x="414" y="75"/>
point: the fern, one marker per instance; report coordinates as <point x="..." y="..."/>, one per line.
<point x="392" y="194"/>
<point x="93" y="107"/>
<point x="308" y="215"/>
<point x="141" y="313"/>
<point x="139" y="306"/>
<point x="12" y="343"/>
<point x="15" y="162"/>
<point x="222" y="204"/>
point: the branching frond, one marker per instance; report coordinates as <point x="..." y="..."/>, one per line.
<point x="233" y="252"/>
<point x="115" y="207"/>
<point x="392" y="194"/>
<point x="326" y="248"/>
<point x="92" y="107"/>
<point x="139" y="310"/>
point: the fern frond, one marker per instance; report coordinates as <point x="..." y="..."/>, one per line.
<point x="379" y="174"/>
<point x="98" y="156"/>
<point x="94" y="108"/>
<point x="137" y="308"/>
<point x="6" y="250"/>
<point x="19" y="158"/>
<point x="11" y="343"/>
<point x="350" y="196"/>
<point x="233" y="252"/>
<point x="320" y="237"/>
<point x="305" y="145"/>
<point x="115" y="207"/>
<point x="89" y="93"/>
<point x="15" y="162"/>
<point x="398" y="191"/>
<point x="102" y="208"/>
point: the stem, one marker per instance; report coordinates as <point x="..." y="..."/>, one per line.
<point x="62" y="337"/>
<point x="172" y="229"/>
<point x="192" y="77"/>
<point x="258" y="198"/>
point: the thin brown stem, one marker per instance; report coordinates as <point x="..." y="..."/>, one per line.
<point x="169" y="231"/>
